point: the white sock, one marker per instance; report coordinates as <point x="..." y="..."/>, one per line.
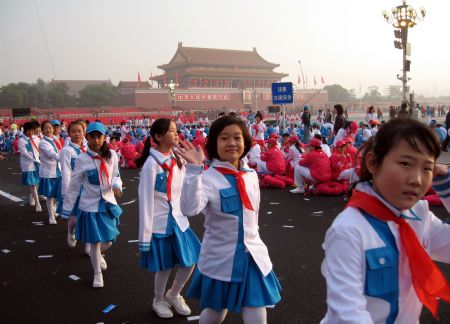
<point x="51" y="211"/>
<point x="181" y="277"/>
<point x="161" y="278"/>
<point x="95" y="257"/>
<point x="210" y="316"/>
<point x="254" y="315"/>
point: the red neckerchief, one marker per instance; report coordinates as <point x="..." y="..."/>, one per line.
<point x="103" y="169"/>
<point x="34" y="144"/>
<point x="428" y="281"/>
<point x="58" y="144"/>
<point x="169" y="177"/>
<point x="240" y="185"/>
<point x="83" y="148"/>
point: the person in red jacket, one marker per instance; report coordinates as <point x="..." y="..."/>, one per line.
<point x="339" y="160"/>
<point x="314" y="166"/>
<point x="15" y="144"/>
<point x="350" y="150"/>
<point x="128" y="152"/>
<point x="272" y="160"/>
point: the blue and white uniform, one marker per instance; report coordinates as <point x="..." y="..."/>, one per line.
<point x="165" y="238"/>
<point x="234" y="268"/>
<point x="49" y="170"/>
<point x="366" y="270"/>
<point x="98" y="213"/>
<point x="29" y="161"/>
<point x="67" y="159"/>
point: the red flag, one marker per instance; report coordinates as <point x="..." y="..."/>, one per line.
<point x="315" y="83"/>
<point x="298" y="80"/>
<point x="139" y="80"/>
<point x="323" y="81"/>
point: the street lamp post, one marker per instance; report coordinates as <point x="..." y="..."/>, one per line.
<point x="403" y="17"/>
<point x="172" y="92"/>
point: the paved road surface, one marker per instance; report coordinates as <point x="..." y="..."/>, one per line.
<point x="37" y="290"/>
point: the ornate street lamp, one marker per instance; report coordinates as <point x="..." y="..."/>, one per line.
<point x="172" y="86"/>
<point x="402" y="18"/>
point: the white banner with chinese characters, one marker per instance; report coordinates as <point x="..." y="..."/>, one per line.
<point x="203" y="97"/>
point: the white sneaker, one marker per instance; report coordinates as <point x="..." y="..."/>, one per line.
<point x="32" y="201"/>
<point x="178" y="303"/>
<point x="298" y="190"/>
<point x="87" y="249"/>
<point x="71" y="240"/>
<point x="103" y="264"/>
<point x="52" y="220"/>
<point x="162" y="308"/>
<point x="38" y="208"/>
<point x="98" y="280"/>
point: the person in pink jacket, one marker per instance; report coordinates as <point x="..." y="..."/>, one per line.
<point x="315" y="166"/>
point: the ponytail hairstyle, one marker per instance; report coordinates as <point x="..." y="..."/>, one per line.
<point x="388" y="137"/>
<point x="298" y="146"/>
<point x="105" y="151"/>
<point x="159" y="127"/>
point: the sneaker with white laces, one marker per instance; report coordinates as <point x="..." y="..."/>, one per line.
<point x="71" y="240"/>
<point x="298" y="190"/>
<point x="38" y="208"/>
<point x="98" y="280"/>
<point x="103" y="264"/>
<point x="178" y="303"/>
<point x="162" y="308"/>
<point x="52" y="220"/>
<point x="32" y="201"/>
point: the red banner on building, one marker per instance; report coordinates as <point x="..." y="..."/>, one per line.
<point x="203" y="97"/>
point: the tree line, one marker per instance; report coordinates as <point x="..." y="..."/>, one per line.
<point x="54" y="94"/>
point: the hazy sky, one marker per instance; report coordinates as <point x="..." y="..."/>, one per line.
<point x="348" y="42"/>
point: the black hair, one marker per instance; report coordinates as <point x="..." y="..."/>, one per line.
<point x="27" y="126"/>
<point x="45" y="122"/>
<point x="259" y="115"/>
<point x="104" y="150"/>
<point x="339" y="109"/>
<point x="75" y="122"/>
<point x="394" y="131"/>
<point x="218" y="126"/>
<point x="159" y="127"/>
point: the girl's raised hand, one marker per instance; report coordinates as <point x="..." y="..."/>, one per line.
<point x="193" y="155"/>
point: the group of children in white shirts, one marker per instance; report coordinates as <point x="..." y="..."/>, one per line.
<point x="368" y="256"/>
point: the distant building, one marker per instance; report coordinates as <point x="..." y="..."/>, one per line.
<point x="75" y="86"/>
<point x="194" y="67"/>
<point x="212" y="79"/>
<point x="126" y="87"/>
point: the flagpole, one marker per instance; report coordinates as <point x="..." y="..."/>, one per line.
<point x="301" y="70"/>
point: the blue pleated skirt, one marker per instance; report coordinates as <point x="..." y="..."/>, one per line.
<point x="93" y="227"/>
<point x="181" y="248"/>
<point x="30" y="178"/>
<point x="49" y="187"/>
<point x="255" y="290"/>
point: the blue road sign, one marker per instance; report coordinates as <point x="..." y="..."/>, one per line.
<point x="282" y="93"/>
